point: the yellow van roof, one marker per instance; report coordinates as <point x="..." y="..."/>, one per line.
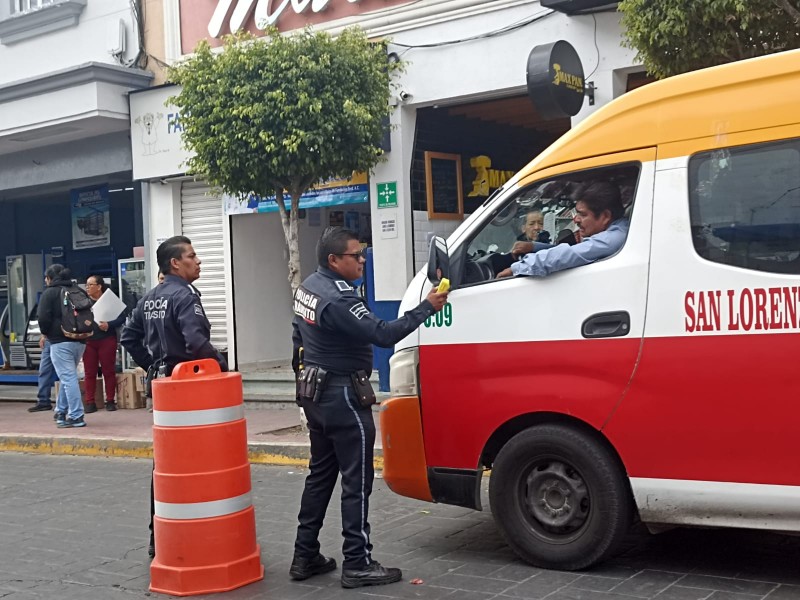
<point x="740" y="96"/>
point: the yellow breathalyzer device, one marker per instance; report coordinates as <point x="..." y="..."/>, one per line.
<point x="444" y="285"/>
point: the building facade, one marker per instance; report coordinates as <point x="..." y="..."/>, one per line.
<point x="462" y="123"/>
<point x="66" y="188"/>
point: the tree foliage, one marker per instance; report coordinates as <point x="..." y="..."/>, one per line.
<point x="282" y="113"/>
<point x="675" y="36"/>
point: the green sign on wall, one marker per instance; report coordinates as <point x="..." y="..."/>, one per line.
<point x="387" y="194"/>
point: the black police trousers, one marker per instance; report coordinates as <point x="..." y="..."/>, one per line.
<point x="342" y="441"/>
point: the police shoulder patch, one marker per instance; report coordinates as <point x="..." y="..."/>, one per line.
<point x="359" y="310"/>
<point x="305" y="305"/>
<point x="198" y="310"/>
<point x="343" y="286"/>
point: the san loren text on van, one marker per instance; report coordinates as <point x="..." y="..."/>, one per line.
<point x="742" y="310"/>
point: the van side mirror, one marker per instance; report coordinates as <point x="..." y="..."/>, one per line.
<point x="438" y="260"/>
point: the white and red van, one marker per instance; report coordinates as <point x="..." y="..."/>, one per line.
<point x="658" y="383"/>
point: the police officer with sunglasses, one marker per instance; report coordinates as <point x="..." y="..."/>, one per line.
<point x="333" y="333"/>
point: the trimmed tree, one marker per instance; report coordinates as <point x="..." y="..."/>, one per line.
<point x="676" y="36"/>
<point x="276" y="115"/>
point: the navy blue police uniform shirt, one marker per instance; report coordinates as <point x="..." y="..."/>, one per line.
<point x="337" y="330"/>
<point x="169" y="323"/>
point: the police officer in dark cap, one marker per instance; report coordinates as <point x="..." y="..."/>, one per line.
<point x="168" y="325"/>
<point x="333" y="333"/>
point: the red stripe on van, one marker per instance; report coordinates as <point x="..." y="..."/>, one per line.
<point x="709" y="408"/>
<point x="713" y="408"/>
<point x="470" y="390"/>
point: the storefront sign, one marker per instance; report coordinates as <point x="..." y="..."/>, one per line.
<point x="211" y="19"/>
<point x="91" y="225"/>
<point x="387" y="194"/>
<point x="555" y="80"/>
<point x="333" y="192"/>
<point x="486" y="179"/>
<point x="388" y="225"/>
<point x="156" y="144"/>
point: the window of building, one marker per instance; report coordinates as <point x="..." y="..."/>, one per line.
<point x="543" y="212"/>
<point x="24" y="19"/>
<point x="745" y="206"/>
<point x="26" y="5"/>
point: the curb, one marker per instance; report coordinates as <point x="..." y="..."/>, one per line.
<point x="296" y="455"/>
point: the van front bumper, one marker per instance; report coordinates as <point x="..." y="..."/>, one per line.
<point x="404" y="468"/>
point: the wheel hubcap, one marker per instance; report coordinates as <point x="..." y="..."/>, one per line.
<point x="556" y="497"/>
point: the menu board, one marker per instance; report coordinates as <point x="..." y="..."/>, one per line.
<point x="443" y="184"/>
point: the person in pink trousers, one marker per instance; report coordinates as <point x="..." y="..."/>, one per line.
<point x="101" y="351"/>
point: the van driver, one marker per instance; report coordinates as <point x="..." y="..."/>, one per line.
<point x="602" y="226"/>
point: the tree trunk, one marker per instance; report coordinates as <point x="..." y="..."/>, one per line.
<point x="289" y="222"/>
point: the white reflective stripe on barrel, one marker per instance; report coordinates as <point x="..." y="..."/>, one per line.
<point x="203" y="510"/>
<point x="187" y="418"/>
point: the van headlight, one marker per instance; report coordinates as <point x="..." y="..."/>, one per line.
<point x="403" y="372"/>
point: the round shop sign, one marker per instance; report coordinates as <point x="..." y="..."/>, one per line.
<point x="555" y="80"/>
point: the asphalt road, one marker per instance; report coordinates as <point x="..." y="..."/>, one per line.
<point x="75" y="527"/>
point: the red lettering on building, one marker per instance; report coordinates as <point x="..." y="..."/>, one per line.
<point x="211" y="19"/>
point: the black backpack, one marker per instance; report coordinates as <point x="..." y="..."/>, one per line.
<point x="77" y="319"/>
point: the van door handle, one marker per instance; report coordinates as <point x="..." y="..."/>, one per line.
<point x="608" y="324"/>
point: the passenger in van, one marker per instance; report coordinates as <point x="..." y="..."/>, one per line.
<point x="533" y="228"/>
<point x="602" y="227"/>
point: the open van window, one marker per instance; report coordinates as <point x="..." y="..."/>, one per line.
<point x="543" y="214"/>
<point x="745" y="206"/>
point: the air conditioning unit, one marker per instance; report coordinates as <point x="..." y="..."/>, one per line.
<point x="576" y="7"/>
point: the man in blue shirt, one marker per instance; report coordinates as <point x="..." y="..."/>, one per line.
<point x="603" y="228"/>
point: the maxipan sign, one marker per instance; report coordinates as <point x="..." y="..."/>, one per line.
<point x="556" y="84"/>
<point x="211" y="19"/>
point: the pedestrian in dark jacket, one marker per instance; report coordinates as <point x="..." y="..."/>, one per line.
<point x="65" y="352"/>
<point x="168" y="325"/>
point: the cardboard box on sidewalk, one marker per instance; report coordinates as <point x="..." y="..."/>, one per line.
<point x="98" y="392"/>
<point x="141" y="376"/>
<point x="127" y="396"/>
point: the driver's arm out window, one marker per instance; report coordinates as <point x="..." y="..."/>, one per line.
<point x="544" y="215"/>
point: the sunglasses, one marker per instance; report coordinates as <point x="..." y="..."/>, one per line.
<point x="356" y="255"/>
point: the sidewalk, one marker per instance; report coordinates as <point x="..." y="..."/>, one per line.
<point x="274" y="435"/>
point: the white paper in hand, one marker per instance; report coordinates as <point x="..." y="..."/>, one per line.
<point x="108" y="307"/>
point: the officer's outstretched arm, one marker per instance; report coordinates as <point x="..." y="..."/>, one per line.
<point x="350" y="316"/>
<point x="132" y="338"/>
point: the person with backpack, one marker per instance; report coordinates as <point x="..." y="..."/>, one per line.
<point x="65" y="319"/>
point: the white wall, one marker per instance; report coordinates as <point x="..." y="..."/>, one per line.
<point x="262" y="296"/>
<point x="165" y="218"/>
<point x="86" y="42"/>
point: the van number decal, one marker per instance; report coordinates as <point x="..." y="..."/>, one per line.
<point x="443" y="318"/>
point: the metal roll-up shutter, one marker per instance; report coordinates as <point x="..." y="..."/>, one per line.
<point x="202" y="221"/>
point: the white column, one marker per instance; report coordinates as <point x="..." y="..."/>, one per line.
<point x="394" y="256"/>
<point x="165" y="218"/>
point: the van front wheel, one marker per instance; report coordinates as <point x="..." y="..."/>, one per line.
<point x="559" y="498"/>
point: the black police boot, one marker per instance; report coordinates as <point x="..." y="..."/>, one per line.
<point x="373" y="574"/>
<point x="303" y="568"/>
<point x="151" y="549"/>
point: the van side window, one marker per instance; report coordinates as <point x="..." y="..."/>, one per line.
<point x="744" y="204"/>
<point x="543" y="215"/>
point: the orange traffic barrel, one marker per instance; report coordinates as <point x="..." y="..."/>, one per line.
<point x="204" y="525"/>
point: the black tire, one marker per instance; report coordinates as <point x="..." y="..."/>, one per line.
<point x="584" y="508"/>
